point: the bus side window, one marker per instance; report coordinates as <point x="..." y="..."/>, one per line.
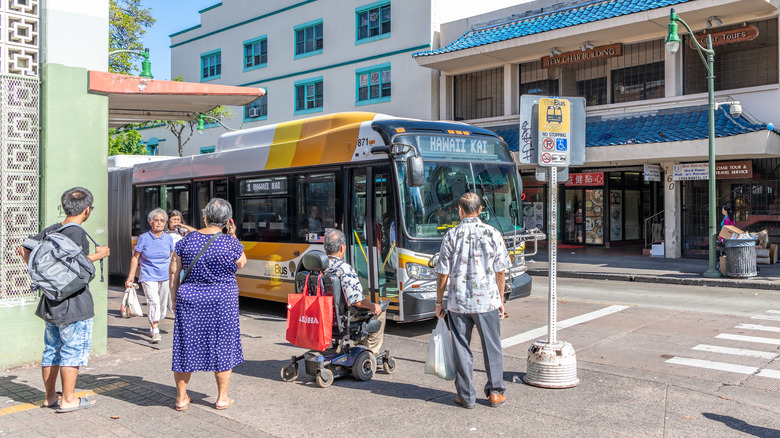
<point x="262" y="210"/>
<point x="316" y="206"/>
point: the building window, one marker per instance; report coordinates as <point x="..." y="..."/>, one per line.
<point x="373" y="85"/>
<point x="641" y="82"/>
<point x="210" y="65"/>
<point x="739" y="65"/>
<point x="593" y="90"/>
<point x="257" y="110"/>
<point x="308" y="96"/>
<point x="151" y="149"/>
<point x="308" y="39"/>
<point x="546" y="87"/>
<point x="373" y="22"/>
<point x="207" y="149"/>
<point x="479" y="95"/>
<point x="255" y="53"/>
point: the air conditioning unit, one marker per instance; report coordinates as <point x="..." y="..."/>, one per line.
<point x="254" y="112"/>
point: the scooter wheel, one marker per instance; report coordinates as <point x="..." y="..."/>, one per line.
<point x="364" y="366"/>
<point x="324" y="378"/>
<point x="389" y="365"/>
<point x="289" y="372"/>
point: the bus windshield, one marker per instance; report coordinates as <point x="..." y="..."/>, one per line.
<point x="429" y="211"/>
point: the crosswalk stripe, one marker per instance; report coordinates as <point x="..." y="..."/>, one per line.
<point x="755" y="339"/>
<point x="769" y="373"/>
<point x="773" y="311"/>
<point x="542" y="331"/>
<point x="766" y="318"/>
<point x="765" y="328"/>
<point x="735" y="351"/>
<point x="710" y="365"/>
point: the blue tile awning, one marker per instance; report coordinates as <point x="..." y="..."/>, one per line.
<point x="668" y="125"/>
<point x="563" y="17"/>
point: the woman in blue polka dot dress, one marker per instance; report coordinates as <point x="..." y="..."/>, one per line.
<point x="206" y="335"/>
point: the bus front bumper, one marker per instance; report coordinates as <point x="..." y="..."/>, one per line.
<point x="422" y="305"/>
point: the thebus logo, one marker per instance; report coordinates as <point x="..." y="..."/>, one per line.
<point x="309" y="320"/>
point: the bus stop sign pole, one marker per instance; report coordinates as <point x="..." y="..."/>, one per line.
<point x="553" y="363"/>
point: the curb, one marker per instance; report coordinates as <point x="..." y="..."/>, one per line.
<point x="689" y="281"/>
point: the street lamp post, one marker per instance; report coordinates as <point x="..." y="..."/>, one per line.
<point x="202" y="121"/>
<point x="146" y="65"/>
<point x="672" y="45"/>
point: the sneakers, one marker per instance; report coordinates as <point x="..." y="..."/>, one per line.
<point x="155" y="335"/>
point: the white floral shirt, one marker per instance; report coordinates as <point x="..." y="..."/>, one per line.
<point x="350" y="283"/>
<point x="471" y="254"/>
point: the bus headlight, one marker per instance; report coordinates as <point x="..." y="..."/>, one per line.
<point x="420" y="272"/>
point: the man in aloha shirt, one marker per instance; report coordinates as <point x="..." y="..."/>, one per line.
<point x="471" y="268"/>
<point x="335" y="246"/>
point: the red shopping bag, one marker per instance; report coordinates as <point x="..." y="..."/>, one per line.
<point x="310" y="318"/>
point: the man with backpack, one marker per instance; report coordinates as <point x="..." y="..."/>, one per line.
<point x="68" y="314"/>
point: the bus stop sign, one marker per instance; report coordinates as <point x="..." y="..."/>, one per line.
<point x="554" y="132"/>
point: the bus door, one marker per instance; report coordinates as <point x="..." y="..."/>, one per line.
<point x="204" y="192"/>
<point x="372" y="231"/>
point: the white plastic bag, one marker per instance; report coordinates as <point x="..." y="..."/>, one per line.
<point x="130" y="304"/>
<point x="441" y="360"/>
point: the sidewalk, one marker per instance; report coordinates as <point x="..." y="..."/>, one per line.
<point x="614" y="264"/>
<point x="134" y="388"/>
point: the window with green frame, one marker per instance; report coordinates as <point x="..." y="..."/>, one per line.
<point x="257" y="110"/>
<point x="373" y="84"/>
<point x="256" y="53"/>
<point x="308" y="96"/>
<point x="211" y="65"/>
<point x="308" y="39"/>
<point x="373" y="22"/>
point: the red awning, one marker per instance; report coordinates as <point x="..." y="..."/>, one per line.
<point x="132" y="99"/>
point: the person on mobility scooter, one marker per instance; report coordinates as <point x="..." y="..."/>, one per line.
<point x="358" y="323"/>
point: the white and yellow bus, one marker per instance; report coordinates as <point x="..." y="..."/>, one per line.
<point x="291" y="181"/>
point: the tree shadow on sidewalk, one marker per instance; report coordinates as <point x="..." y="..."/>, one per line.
<point x="134" y="390"/>
<point x="743" y="426"/>
<point x="20" y="390"/>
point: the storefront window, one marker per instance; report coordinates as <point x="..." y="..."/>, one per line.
<point x="738" y="65"/>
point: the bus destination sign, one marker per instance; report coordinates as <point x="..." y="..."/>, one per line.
<point x="264" y="186"/>
<point x="459" y="148"/>
<point x="554" y="132"/>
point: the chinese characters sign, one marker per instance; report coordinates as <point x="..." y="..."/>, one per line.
<point x="586" y="179"/>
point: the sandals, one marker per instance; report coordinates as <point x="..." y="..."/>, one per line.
<point x="184" y="406"/>
<point x="55" y="405"/>
<point x="83" y="404"/>
<point x="220" y="407"/>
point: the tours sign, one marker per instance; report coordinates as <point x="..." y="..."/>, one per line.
<point x="554" y="132"/>
<point x="731" y="36"/>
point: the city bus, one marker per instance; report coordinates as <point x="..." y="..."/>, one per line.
<point x="391" y="184"/>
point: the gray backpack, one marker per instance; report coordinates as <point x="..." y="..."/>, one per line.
<point x="57" y="265"/>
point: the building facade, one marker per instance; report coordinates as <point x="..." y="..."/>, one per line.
<point x="647" y="122"/>
<point x="315" y="56"/>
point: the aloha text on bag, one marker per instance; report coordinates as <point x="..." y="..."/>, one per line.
<point x="310" y="318"/>
<point x="57" y="265"/>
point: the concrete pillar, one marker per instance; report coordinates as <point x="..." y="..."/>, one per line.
<point x="75" y="126"/>
<point x="445" y="97"/>
<point x="672" y="214"/>
<point x="673" y="73"/>
<point x="511" y="89"/>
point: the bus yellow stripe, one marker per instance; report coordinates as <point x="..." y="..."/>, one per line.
<point x="282" y="151"/>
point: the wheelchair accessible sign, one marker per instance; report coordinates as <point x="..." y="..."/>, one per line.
<point x="554" y="132"/>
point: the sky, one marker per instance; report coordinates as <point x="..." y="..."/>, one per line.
<point x="172" y="16"/>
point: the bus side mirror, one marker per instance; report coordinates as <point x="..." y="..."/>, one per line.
<point x="416" y="171"/>
<point x="433" y="260"/>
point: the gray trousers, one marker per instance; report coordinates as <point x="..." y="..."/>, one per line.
<point x="489" y="328"/>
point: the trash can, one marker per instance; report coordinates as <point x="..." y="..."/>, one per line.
<point x="740" y="257"/>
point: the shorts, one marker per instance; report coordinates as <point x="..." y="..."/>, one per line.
<point x="67" y="345"/>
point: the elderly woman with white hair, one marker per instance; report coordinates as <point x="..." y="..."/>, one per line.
<point x="152" y="253"/>
<point x="206" y="334"/>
